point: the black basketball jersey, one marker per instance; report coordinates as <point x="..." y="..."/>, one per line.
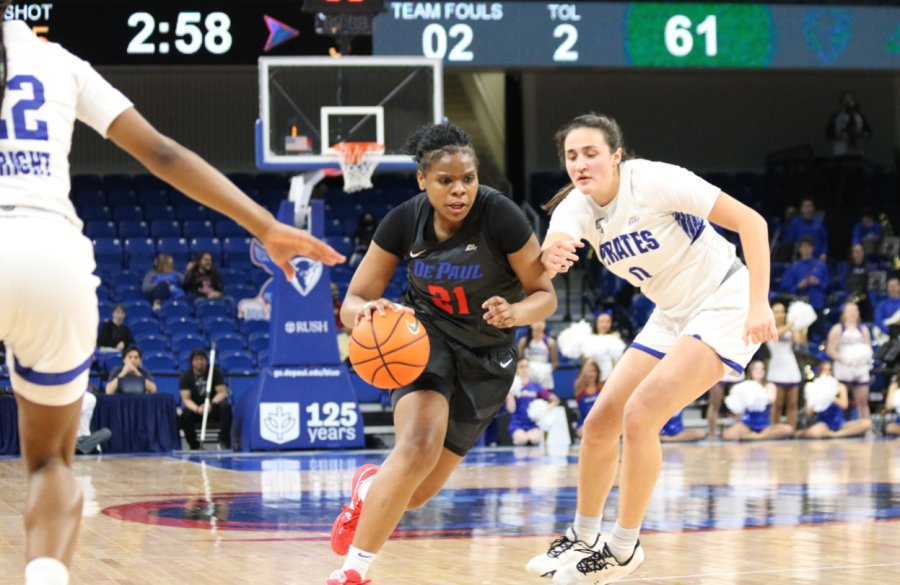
<point x="450" y="280"/>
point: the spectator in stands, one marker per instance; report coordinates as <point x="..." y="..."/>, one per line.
<point x="868" y="232"/>
<point x="854" y="278"/>
<point x="587" y="388"/>
<point x="192" y="384"/>
<point x="807" y="277"/>
<point x="540" y="351"/>
<point x="848" y="128"/>
<point x="830" y="423"/>
<point x="87" y="441"/>
<point x="114" y="334"/>
<point x="202" y="279"/>
<point x="756" y="424"/>
<point x="811" y="225"/>
<point x="604" y="325"/>
<point x="162" y="283"/>
<point x="130" y="377"/>
<point x="893" y="427"/>
<point x="887" y="313"/>
<point x="363" y="237"/>
<point x="523" y="430"/>
<point x="842" y="338"/>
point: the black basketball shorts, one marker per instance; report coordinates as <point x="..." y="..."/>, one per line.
<point x="474" y="383"/>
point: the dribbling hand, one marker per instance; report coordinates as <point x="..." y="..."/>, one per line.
<point x="283" y="242"/>
<point x="760" y="326"/>
<point x="381" y="305"/>
<point x="500" y="313"/>
<point x="560" y="256"/>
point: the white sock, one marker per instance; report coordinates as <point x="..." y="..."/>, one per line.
<point x="586" y="528"/>
<point x="622" y="541"/>
<point x="358" y="560"/>
<point x="364" y="487"/>
<point x="46" y="571"/>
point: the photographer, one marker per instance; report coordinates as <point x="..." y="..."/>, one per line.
<point x="848" y="128"/>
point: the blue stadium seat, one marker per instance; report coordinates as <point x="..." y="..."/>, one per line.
<point x="265" y="181"/>
<point x="259" y="277"/>
<point x="258" y="341"/>
<point x="334" y="227"/>
<point x="228" y="341"/>
<point x="100" y="229"/>
<point x="336" y="196"/>
<point x="237" y="252"/>
<point x="273" y="196"/>
<point x="86" y="182"/>
<point x="151" y="342"/>
<point x="262" y="359"/>
<point x="205" y="308"/>
<point x="177" y="248"/>
<point x="343" y="212"/>
<point x="134" y="229"/>
<point x="121" y="197"/>
<point x="159" y="212"/>
<point x="190" y="212"/>
<point x="228" y="228"/>
<point x="110" y="360"/>
<point x="140" y="250"/>
<point x="95" y="213"/>
<point x="342" y="244"/>
<point x="349" y="226"/>
<point x="241" y="291"/>
<point x="115" y="181"/>
<point x="238" y="362"/>
<point x="143" y="326"/>
<point x="340" y="274"/>
<point x="125" y="277"/>
<point x="138" y="308"/>
<point x="108" y="251"/>
<point x="188" y="342"/>
<point x="148" y="197"/>
<point x="141" y="265"/>
<point x="128" y="292"/>
<point x="396" y="196"/>
<point x="102" y="293"/>
<point x="254" y="326"/>
<point x="197" y="228"/>
<point x="164" y="228"/>
<point x="126" y="212"/>
<point x="216" y="325"/>
<point x="211" y="245"/>
<point x="184" y="360"/>
<point x="89" y="197"/>
<point x="392" y="292"/>
<point x="369" y="197"/>
<point x="148" y="181"/>
<point x="379" y="211"/>
<point x="174" y="308"/>
<point x="233" y="276"/>
<point x="160" y="363"/>
<point x="105" y="308"/>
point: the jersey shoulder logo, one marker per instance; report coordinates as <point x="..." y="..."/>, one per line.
<point x="417" y="254"/>
<point x="633" y="220"/>
<point x="599" y="225"/>
<point x="471" y="248"/>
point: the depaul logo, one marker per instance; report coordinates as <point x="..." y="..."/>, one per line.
<point x="279" y="422"/>
<point x="308" y="274"/>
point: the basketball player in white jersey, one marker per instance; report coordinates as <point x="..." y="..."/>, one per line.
<point x="48" y="301"/>
<point x="649" y="224"/>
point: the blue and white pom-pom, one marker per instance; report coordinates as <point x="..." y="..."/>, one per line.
<point x="603" y="347"/>
<point x="747" y="396"/>
<point x="821" y="392"/>
<point x="856" y="355"/>
<point x="540" y="413"/>
<point x="801" y="314"/>
<point x="571" y="341"/>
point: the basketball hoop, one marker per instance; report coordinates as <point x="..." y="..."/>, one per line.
<point x="358" y="161"/>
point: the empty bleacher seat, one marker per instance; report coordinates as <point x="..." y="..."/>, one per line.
<point x="238" y="362"/>
<point x="334" y="227"/>
<point x="134" y="229"/>
<point x="273" y="197"/>
<point x="125" y="277"/>
<point x="102" y="293"/>
<point x="379" y="211"/>
<point x="159" y="212"/>
<point x="188" y="342"/>
<point x="218" y="324"/>
<point x="190" y="212"/>
<point x="140" y="250"/>
<point x="228" y="341"/>
<point x="147" y="181"/>
<point x="95" y="213"/>
<point x="258" y="341"/>
<point x="341" y="244"/>
<point x="237" y="252"/>
<point x="228" y="228"/>
<point x="110" y="360"/>
<point x="160" y="363"/>
<point x="105" y="309"/>
<point x="86" y="182"/>
<point x="151" y="342"/>
<point x="177" y="248"/>
<point x="369" y="197"/>
<point x="254" y="326"/>
<point x="148" y="197"/>
<point x="89" y="197"/>
<point x="259" y="277"/>
<point x="197" y="228"/>
<point x="127" y="212"/>
<point x="164" y="228"/>
<point x="340" y="274"/>
<point x="121" y="197"/>
<point x="264" y="181"/>
<point x="241" y="291"/>
<point x="100" y="229"/>
<point x="138" y="308"/>
<point x="116" y="181"/>
<point x="108" y="251"/>
<point x="205" y="308"/>
<point x="184" y="360"/>
<point x="233" y="276"/>
<point x="174" y="308"/>
<point x="128" y="292"/>
<point x="262" y="359"/>
<point x="349" y="225"/>
<point x="343" y="212"/>
<point x="143" y="326"/>
<point x="211" y="245"/>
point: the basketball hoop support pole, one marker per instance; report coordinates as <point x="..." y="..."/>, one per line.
<point x="302" y="186"/>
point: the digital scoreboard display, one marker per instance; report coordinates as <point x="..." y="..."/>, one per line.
<point x="536" y="34"/>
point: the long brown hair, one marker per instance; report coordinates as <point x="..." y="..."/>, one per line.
<point x="612" y="133"/>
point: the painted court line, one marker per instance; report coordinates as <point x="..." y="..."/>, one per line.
<point x="651" y="579"/>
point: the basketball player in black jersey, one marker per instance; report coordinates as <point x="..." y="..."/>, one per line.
<point x="474" y="276"/>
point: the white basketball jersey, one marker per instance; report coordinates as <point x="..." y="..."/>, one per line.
<point x="47" y="89"/>
<point x="654" y="234"/>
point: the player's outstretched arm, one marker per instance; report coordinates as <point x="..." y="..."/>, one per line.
<point x="540" y="301"/>
<point x="194" y="177"/>
<point x="369" y="281"/>
<point x="558" y="252"/>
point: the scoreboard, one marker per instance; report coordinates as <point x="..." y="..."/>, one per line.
<point x="596" y="34"/>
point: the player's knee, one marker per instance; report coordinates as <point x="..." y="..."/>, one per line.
<point x="604" y="422"/>
<point x="639" y="419"/>
<point x="420" y="451"/>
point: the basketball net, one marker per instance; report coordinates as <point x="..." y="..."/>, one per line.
<point x="358" y="161"/>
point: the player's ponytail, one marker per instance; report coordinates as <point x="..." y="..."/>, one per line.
<point x="4" y="5"/>
<point x="434" y="141"/>
<point x="611" y="132"/>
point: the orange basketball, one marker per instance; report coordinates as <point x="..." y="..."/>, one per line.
<point x="391" y="351"/>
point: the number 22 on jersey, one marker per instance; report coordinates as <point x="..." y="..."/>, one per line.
<point x="19" y="110"/>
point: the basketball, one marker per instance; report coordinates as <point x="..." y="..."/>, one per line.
<point x="389" y="351"/>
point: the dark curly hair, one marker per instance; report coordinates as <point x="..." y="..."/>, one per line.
<point x="434" y="141"/>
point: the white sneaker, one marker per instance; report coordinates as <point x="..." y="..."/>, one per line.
<point x="564" y="550"/>
<point x="599" y="569"/>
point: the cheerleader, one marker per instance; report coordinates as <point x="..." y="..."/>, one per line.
<point x="522" y="428"/>
<point x="893" y="403"/>
<point x="716" y="396"/>
<point x="752" y="401"/>
<point x="674" y="431"/>
<point x="850" y="346"/>
<point x="604" y="326"/>
<point x="784" y="372"/>
<point x="830" y="422"/>
<point x="587" y="387"/>
<point x="540" y="351"/>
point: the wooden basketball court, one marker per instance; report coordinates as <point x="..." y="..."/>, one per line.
<point x="787" y="512"/>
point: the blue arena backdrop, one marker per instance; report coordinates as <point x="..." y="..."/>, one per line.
<point x="304" y="399"/>
<point x="695" y="35"/>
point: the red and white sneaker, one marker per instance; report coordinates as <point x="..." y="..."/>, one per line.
<point x="350" y="577"/>
<point x="345" y="524"/>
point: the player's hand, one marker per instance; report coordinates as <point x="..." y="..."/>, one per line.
<point x="813" y="280"/>
<point x="560" y="256"/>
<point x="382" y="306"/>
<point x="283" y="242"/>
<point x="760" y="325"/>
<point x="500" y="313"/>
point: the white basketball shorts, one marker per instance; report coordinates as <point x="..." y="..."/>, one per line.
<point x="48" y="305"/>
<point x="718" y="322"/>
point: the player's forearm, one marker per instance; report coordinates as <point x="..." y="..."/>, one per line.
<point x="755" y="241"/>
<point x="353" y="304"/>
<point x="536" y="307"/>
